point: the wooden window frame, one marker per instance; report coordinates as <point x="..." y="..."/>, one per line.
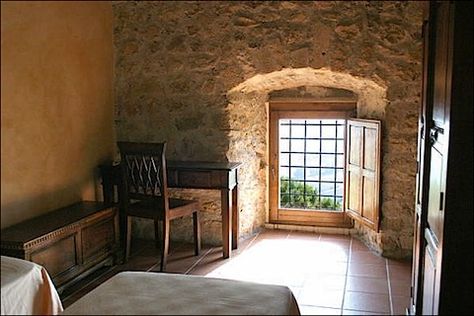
<point x="303" y="109"/>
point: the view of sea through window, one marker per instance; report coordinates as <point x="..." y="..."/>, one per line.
<point x="311" y="164"/>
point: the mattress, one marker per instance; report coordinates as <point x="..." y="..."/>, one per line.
<point x="161" y="293"/>
<point x="27" y="289"/>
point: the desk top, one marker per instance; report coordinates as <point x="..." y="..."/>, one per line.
<point x="203" y="165"/>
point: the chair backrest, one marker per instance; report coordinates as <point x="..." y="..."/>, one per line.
<point x="144" y="171"/>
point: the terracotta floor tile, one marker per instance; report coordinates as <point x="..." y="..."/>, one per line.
<point x="354" y="312"/>
<point x="211" y="261"/>
<point x="274" y="233"/>
<point x="325" y="282"/>
<point x="243" y="245"/>
<point x="367" y="270"/>
<point x="330" y="267"/>
<point x="140" y="263"/>
<point x="377" y="303"/>
<point x="399" y="273"/>
<point x="303" y="235"/>
<point x="400" y="304"/>
<point x="316" y="268"/>
<point x="367" y="285"/>
<point x="331" y="251"/>
<point x="394" y="262"/>
<point x="366" y="257"/>
<point x="341" y="243"/>
<point x="317" y="310"/>
<point x="86" y="285"/>
<point x="401" y="288"/>
<point x="332" y="237"/>
<point x="183" y="259"/>
<point x="322" y="298"/>
<point x="358" y="245"/>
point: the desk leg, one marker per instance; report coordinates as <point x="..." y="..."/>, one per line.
<point x="235" y="218"/>
<point x="226" y="207"/>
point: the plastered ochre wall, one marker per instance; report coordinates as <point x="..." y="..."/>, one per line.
<point x="56" y="104"/>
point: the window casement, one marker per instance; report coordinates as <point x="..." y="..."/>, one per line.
<point x="324" y="165"/>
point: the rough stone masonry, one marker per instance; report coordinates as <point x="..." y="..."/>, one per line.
<point x="188" y="73"/>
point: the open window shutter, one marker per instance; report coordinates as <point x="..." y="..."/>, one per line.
<point x="363" y="171"/>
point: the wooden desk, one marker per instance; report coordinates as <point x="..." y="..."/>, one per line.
<point x="198" y="175"/>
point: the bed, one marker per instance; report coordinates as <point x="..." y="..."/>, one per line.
<point x="27" y="289"/>
<point x="173" y="294"/>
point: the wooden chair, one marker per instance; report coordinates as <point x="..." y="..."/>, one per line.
<point x="145" y="194"/>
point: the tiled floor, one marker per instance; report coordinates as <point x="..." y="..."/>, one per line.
<point x="328" y="274"/>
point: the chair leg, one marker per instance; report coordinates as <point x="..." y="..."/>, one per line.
<point x="197" y="233"/>
<point x="129" y="237"/>
<point x="165" y="244"/>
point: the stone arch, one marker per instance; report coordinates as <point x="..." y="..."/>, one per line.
<point x="371" y="93"/>
<point x="247" y="121"/>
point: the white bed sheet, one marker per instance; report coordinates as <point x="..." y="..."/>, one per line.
<point x="27" y="289"/>
<point x="153" y="293"/>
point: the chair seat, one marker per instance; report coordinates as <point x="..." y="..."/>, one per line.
<point x="153" y="208"/>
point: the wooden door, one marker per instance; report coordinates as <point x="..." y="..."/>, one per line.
<point x="442" y="266"/>
<point x="363" y="171"/>
<point x="429" y="299"/>
<point x="423" y="162"/>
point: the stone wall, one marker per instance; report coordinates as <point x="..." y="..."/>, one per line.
<point x="198" y="75"/>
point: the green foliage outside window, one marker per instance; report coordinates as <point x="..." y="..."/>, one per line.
<point x="304" y="196"/>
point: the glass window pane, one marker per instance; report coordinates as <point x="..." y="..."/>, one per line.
<point x="312" y="146"/>
<point x="328" y="161"/>
<point x="312" y="132"/>
<point x="297" y="201"/>
<point x="328" y="146"/>
<point x="340" y="146"/>
<point x="284" y="186"/>
<point x="312" y="160"/>
<point x="340" y="131"/>
<point x="284" y="130"/>
<point x="297" y="145"/>
<point x="297" y="131"/>
<point x="284" y="172"/>
<point x="327" y="189"/>
<point x="297" y="173"/>
<point x="327" y="203"/>
<point x="284" y="145"/>
<point x="327" y="174"/>
<point x="311" y="188"/>
<point x="340" y="161"/>
<point x="303" y="186"/>
<point x="284" y="159"/>
<point x="297" y="160"/>
<point x="285" y="200"/>
<point x="312" y="174"/>
<point x="329" y="132"/>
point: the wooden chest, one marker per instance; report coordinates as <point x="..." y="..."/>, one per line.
<point x="70" y="242"/>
